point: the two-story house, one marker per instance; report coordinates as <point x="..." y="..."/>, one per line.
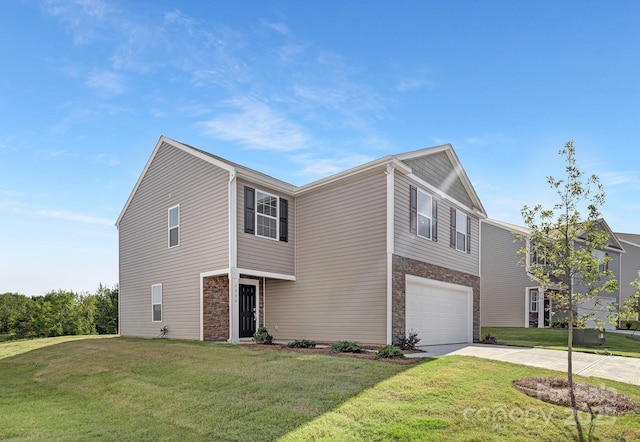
<point x="213" y="250"/>
<point x="512" y="298"/>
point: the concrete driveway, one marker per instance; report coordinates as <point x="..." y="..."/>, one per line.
<point x="617" y="368"/>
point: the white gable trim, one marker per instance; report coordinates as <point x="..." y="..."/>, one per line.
<point x="177" y="145"/>
<point x="478" y="208"/>
<point x="474" y="210"/>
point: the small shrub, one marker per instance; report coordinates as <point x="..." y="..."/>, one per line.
<point x="302" y="343"/>
<point x="489" y="339"/>
<point x="408" y="342"/>
<point x="346" y="347"/>
<point x="262" y="336"/>
<point x="389" y="351"/>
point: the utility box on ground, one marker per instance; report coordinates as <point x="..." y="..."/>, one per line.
<point x="588" y="337"/>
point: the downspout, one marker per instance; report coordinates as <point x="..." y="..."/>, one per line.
<point x="480" y="276"/>
<point x="389" y="172"/>
<point x="233" y="258"/>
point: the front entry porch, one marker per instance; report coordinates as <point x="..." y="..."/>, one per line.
<point x="538" y="308"/>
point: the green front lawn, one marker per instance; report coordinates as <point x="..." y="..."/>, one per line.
<point x="133" y="389"/>
<point x="555" y="338"/>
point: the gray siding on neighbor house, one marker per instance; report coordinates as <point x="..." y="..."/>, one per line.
<point x="503" y="279"/>
<point x="614" y="266"/>
<point x="438" y="252"/>
<point x="629" y="269"/>
<point x="265" y="254"/>
<point x="201" y="190"/>
<point x="437" y="170"/>
<point x="340" y="290"/>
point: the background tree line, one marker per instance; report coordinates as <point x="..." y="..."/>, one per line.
<point x="59" y="313"/>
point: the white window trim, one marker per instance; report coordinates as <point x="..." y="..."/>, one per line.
<point x="463" y="231"/>
<point x="599" y="255"/>
<point x="156" y="303"/>
<point x="531" y="300"/>
<point x="170" y="227"/>
<point x="277" y="217"/>
<point x="429" y="215"/>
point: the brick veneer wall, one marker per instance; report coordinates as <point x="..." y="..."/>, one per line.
<point x="215" y="309"/>
<point x="405" y="266"/>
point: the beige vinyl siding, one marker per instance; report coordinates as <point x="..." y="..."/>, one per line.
<point x="201" y="190"/>
<point x="630" y="265"/>
<point x="340" y="290"/>
<point x="503" y="280"/>
<point x="422" y="249"/>
<point x="265" y="254"/>
<point x="437" y="170"/>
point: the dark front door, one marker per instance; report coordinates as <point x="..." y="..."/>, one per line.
<point x="247" y="310"/>
<point x="547" y="312"/>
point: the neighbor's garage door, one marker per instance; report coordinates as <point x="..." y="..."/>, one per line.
<point x="440" y="312"/>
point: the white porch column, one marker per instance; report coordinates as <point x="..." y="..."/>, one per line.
<point x="234" y="307"/>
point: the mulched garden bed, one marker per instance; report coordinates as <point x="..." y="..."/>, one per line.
<point x="326" y="350"/>
<point x="588" y="398"/>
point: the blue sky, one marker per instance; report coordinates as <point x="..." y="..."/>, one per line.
<point x="298" y="90"/>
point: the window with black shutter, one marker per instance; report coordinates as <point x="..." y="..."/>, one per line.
<point x="249" y="210"/>
<point x="284" y="220"/>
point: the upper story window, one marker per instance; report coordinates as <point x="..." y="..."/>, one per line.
<point x="174" y="226"/>
<point x="460" y="231"/>
<point x="423" y="214"/>
<point x="266" y="215"/>
<point x="538" y="257"/>
<point x="603" y="264"/>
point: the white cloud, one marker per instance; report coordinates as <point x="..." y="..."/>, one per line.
<point x="106" y="159"/>
<point x="82" y="17"/>
<point x="487" y="140"/>
<point x="72" y="216"/>
<point x="22" y="208"/>
<point x="315" y="167"/>
<point x="420" y="79"/>
<point x="107" y="83"/>
<point x="257" y="126"/>
<point x="617" y="178"/>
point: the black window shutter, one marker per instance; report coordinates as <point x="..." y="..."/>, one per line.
<point x="284" y="220"/>
<point x="468" y="234"/>
<point x="434" y="223"/>
<point x="249" y="210"/>
<point x="453" y="228"/>
<point x="413" y="210"/>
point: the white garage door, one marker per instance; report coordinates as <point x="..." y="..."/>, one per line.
<point x="441" y="313"/>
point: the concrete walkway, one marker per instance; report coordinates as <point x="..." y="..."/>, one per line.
<point x="617" y="368"/>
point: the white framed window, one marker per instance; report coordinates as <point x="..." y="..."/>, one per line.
<point x="461" y="231"/>
<point x="534" y="300"/>
<point x="156" y="303"/>
<point x="600" y="256"/>
<point x="425" y="214"/>
<point x="266" y="215"/>
<point x="174" y="226"/>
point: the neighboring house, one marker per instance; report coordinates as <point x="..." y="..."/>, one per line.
<point x="630" y="269"/>
<point x="213" y="250"/>
<point x="511" y="298"/>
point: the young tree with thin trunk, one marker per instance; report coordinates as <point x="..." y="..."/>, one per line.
<point x="563" y="240"/>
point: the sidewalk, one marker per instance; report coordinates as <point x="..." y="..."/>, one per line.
<point x="617" y="368"/>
